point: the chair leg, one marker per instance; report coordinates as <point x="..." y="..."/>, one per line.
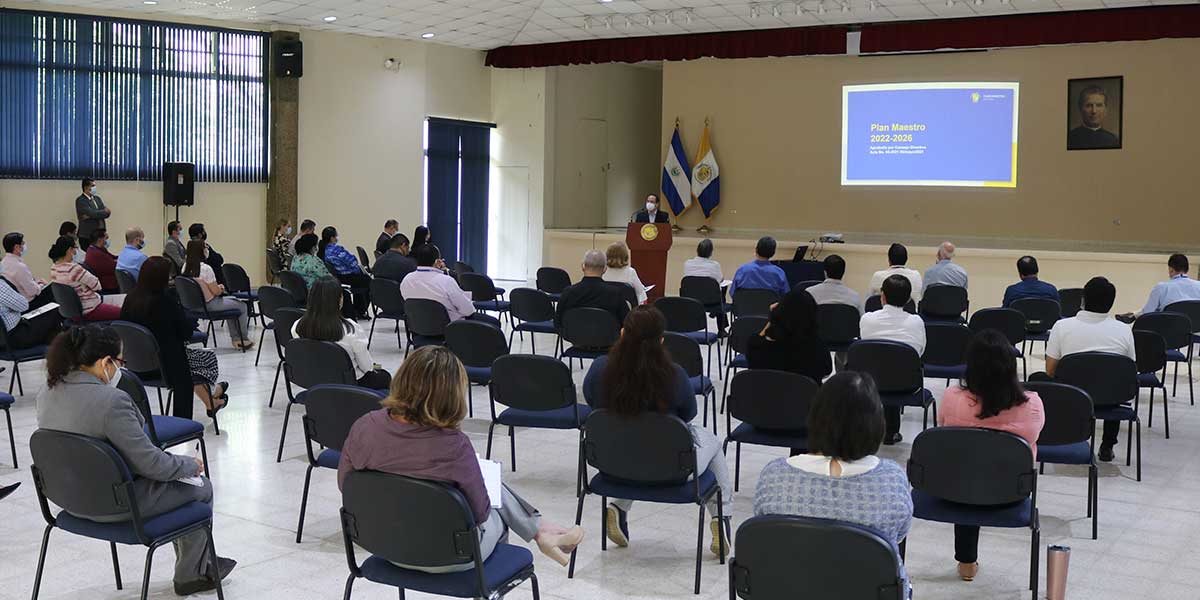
<point x="37" y="578"/>
<point x="1034" y="544"/>
<point x="261" y="336"/>
<point x="724" y="535"/>
<point x="725" y="386"/>
<point x="1166" y="416"/>
<point x="212" y="557"/>
<point x="737" y="465"/>
<point x="1175" y="381"/>
<point x="532" y="577"/>
<point x="371" y="335"/>
<point x="12" y="439"/>
<point x="350" y="587"/>
<point x="1191" y="387"/>
<point x="112" y="546"/>
<point x="470" y="401"/>
<point x="1129" y="445"/>
<point x="1150" y="419"/>
<point x="512" y="443"/>
<point x="17" y="374"/>
<point x="603" y="523"/>
<point x="275" y="385"/>
<point x="303" y="502"/>
<point x="146" y="570"/>
<point x="578" y="521"/>
<point x="1095" y="506"/>
<point x="491" y="430"/>
<point x="699" y="546"/>
<point x="1139" y="450"/>
<point x="283" y="433"/>
<point x="204" y="457"/>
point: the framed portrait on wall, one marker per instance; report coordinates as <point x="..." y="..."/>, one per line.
<point x="1094" y="113"/>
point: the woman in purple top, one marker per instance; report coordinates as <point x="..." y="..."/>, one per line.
<point x="416" y="434"/>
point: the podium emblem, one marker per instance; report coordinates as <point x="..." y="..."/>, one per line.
<point x="649" y="232"/>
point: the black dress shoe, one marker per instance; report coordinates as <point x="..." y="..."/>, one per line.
<point x="1106" y="453"/>
<point x="8" y="490"/>
<point x="892" y="439"/>
<point x="208" y="582"/>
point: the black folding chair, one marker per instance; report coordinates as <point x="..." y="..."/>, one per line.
<point x="1071" y="301"/>
<point x="1066" y="438"/>
<point x="944" y="303"/>
<point x="329" y="413"/>
<point x="553" y="281"/>
<point x="274" y="263"/>
<point x="17" y="356"/>
<point x="740" y="332"/>
<point x="484" y="294"/>
<point x="282" y="323"/>
<point x="1040" y="316"/>
<point x="874" y="303"/>
<point x="688" y="317"/>
<point x="898" y="373"/>
<point x="363" y="258"/>
<point x="1111" y="382"/>
<point x="773" y="409"/>
<point x="69" y="305"/>
<point x="311" y="363"/>
<point x="650" y="457"/>
<point x="125" y="281"/>
<point x="837" y="325"/>
<point x="1176" y="330"/>
<point x="685" y="352"/>
<point x="87" y="476"/>
<point x="591" y="332"/>
<point x="1151" y="350"/>
<point x="1007" y="321"/>
<point x="164" y="431"/>
<point x="142" y="355"/>
<point x="294" y="284"/>
<point x="389" y="304"/>
<point x="477" y="345"/>
<point x="815" y="551"/>
<point x="532" y="311"/>
<point x="237" y="284"/>
<point x="982" y="477"/>
<point x="750" y="302"/>
<point x="945" y="354"/>
<point x="192" y="299"/>
<point x="270" y="300"/>
<point x="1191" y="308"/>
<point x="425" y="323"/>
<point x="705" y="290"/>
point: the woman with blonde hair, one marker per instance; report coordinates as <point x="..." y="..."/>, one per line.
<point x="619" y="270"/>
<point x="417" y="434"/>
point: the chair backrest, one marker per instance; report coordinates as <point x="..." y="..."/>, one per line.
<point x="946" y="344"/>
<point x="753" y="302"/>
<point x="1040" y="313"/>
<point x="685" y="352"/>
<point x="944" y="301"/>
<point x="772" y="399"/>
<point x="1191" y="308"/>
<point x="552" y="280"/>
<point x="1110" y="379"/>
<point x="125" y="281"/>
<point x="409" y="521"/>
<point x="532" y="382"/>
<point x="531" y="305"/>
<point x="779" y="554"/>
<point x="837" y="323"/>
<point x="591" y="328"/>
<point x="628" y="294"/>
<point x="1151" y="350"/>
<point x="363" y="258"/>
<point x="274" y="261"/>
<point x="742" y="330"/>
<point x="331" y="410"/>
<point x="650" y="448"/>
<point x="804" y="285"/>
<point x="684" y="315"/>
<point x="461" y="267"/>
<point x="705" y="290"/>
<point x="425" y="317"/>
<point x="271" y="299"/>
<point x="294" y="284"/>
<point x="1175" y="328"/>
<point x="386" y="296"/>
<point x="875" y="303"/>
<point x="138" y="346"/>
<point x="1071" y="301"/>
<point x="82" y="475"/>
<point x="313" y="362"/>
<point x="1005" y="320"/>
<point x="284" y="319"/>
<point x="979" y="467"/>
<point x="190" y="294"/>
<point x="896" y="366"/>
<point x="479" y="285"/>
<point x="1068" y="410"/>
<point x="68" y="302"/>
<point x="475" y="343"/>
<point x="131" y="384"/>
<point x="236" y="279"/>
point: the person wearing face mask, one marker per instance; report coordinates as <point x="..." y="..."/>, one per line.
<point x="90" y="210"/>
<point x="197" y="232"/>
<point x="132" y="257"/>
<point x="197" y="269"/>
<point x="101" y="262"/>
<point x="83" y="369"/>
<point x="65" y="270"/>
<point x="651" y="214"/>
<point x="346" y="268"/>
<point x="283" y="242"/>
<point x="173" y="247"/>
<point x="14" y="269"/>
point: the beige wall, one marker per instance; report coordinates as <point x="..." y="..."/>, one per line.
<point x="776" y="132"/>
<point x="519" y="156"/>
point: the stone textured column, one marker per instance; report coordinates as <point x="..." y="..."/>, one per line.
<point x="285" y="143"/>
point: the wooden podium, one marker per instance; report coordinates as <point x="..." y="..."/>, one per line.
<point x="648" y="245"/>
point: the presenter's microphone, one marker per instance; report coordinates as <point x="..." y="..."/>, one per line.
<point x="633" y="217"/>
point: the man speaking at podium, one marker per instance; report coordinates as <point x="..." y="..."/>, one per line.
<point x="651" y="214"/>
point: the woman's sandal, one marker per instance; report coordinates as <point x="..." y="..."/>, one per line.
<point x="212" y="413"/>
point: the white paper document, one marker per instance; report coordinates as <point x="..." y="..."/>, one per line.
<point x="491" y="480"/>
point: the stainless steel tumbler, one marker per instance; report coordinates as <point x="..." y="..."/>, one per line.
<point x="1058" y="559"/>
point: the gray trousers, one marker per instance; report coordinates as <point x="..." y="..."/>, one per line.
<point x="242" y="321"/>
<point x="158" y="497"/>
<point x="709" y="457"/>
<point x="514" y="514"/>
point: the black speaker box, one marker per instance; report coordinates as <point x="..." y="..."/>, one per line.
<point x="179" y="184"/>
<point x="289" y="58"/>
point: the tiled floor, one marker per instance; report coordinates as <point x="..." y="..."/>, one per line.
<point x="1148" y="530"/>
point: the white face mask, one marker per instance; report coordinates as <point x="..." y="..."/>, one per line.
<point x="651" y="206"/>
<point x="92" y="190"/>
<point x="115" y="379"/>
<point x="289" y="230"/>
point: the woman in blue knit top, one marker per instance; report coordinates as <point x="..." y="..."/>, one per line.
<point x="841" y="478"/>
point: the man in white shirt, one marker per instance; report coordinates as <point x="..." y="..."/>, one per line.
<point x="945" y="271"/>
<point x="430" y="283"/>
<point x="897" y="258"/>
<point x="14" y="269"/>
<point x="1177" y="288"/>
<point x="833" y="290"/>
<point x="893" y="323"/>
<point x="1092" y="330"/>
<point x="702" y="265"/>
<point x="307" y="226"/>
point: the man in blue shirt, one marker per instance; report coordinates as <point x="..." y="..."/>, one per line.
<point x="1029" y="286"/>
<point x="131" y="258"/>
<point x="760" y="274"/>
<point x="1175" y="289"/>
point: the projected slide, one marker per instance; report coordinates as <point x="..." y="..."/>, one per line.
<point x="945" y="134"/>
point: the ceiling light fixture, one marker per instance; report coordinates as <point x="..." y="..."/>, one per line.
<point x="605" y="1"/>
<point x="775" y="11"/>
<point x="845" y="7"/>
<point x="427" y="35"/>
<point x="330" y="19"/>
<point x="149" y="2"/>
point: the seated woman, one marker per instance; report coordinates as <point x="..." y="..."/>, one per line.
<point x="417" y="434"/>
<point x="638" y="376"/>
<point x="282" y="243"/>
<point x="81" y="397"/>
<point x="323" y="321"/>
<point x="840" y="478"/>
<point x="790" y="341"/>
<point x="101" y="262"/>
<point x="196" y="268"/>
<point x="991" y="397"/>
<point x="25" y="333"/>
<point x="186" y="370"/>
<point x="68" y="272"/>
<point x="347" y="270"/>
<point x="305" y="262"/>
<point x="69" y="229"/>
<point x="619" y="270"/>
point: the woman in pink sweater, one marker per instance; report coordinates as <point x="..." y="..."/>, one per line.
<point x="991" y="397"/>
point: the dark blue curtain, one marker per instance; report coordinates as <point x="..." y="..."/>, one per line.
<point x="473" y="205"/>
<point x="86" y="96"/>
<point x="442" y="199"/>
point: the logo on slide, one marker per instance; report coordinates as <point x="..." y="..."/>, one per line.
<point x="704" y="174"/>
<point x="975" y="97"/>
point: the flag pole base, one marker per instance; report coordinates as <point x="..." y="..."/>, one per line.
<point x="676" y="227"/>
<point x="705" y="229"/>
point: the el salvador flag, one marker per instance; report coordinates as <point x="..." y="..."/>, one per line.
<point x="706" y="178"/>
<point x="677" y="176"/>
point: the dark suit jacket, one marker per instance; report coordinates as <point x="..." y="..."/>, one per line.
<point x="91" y="213"/>
<point x="383" y="243"/>
<point x="592" y="292"/>
<point x="1082" y="138"/>
<point x="394" y="266"/>
<point x="660" y="216"/>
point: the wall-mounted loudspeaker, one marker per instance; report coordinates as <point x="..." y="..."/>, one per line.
<point x="289" y="58"/>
